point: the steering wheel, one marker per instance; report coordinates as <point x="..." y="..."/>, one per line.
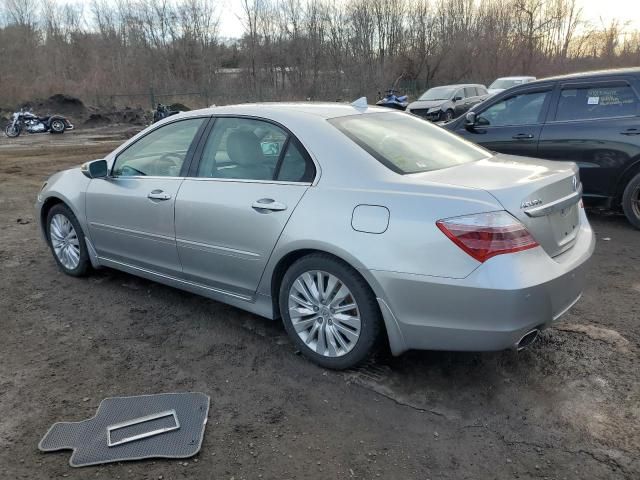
<point x="172" y="157"/>
<point x="171" y="161"/>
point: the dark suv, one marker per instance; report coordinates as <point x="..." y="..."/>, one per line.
<point x="590" y="118"/>
<point x="447" y="102"/>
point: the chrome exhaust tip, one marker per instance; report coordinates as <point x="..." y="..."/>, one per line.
<point x="527" y="339"/>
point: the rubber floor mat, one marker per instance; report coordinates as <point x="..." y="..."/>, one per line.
<point x="169" y="425"/>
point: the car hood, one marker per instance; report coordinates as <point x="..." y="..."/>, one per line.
<point x="427" y="103"/>
<point x="542" y="194"/>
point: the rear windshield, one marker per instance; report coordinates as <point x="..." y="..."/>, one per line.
<point x="407" y="144"/>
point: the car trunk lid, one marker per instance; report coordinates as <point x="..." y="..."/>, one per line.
<point x="544" y="195"/>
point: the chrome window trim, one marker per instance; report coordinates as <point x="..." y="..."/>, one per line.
<point x="211" y="179"/>
<point x="242" y="180"/>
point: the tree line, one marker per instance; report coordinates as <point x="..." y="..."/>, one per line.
<point x="294" y="49"/>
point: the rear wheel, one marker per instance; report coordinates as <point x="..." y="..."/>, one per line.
<point x="329" y="311"/>
<point x="67" y="241"/>
<point x="631" y="201"/>
<point x="57" y="126"/>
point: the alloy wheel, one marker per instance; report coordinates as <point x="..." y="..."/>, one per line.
<point x="57" y="126"/>
<point x="635" y="201"/>
<point x="324" y="313"/>
<point x="64" y="241"/>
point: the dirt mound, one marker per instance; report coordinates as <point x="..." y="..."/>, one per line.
<point x="181" y="107"/>
<point x="102" y="117"/>
<point x="59" y="103"/>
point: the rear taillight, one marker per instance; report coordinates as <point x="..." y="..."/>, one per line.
<point x="486" y="235"/>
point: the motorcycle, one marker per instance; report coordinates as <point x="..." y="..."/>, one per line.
<point x="27" y="121"/>
<point x="391" y="99"/>
<point x="162" y="111"/>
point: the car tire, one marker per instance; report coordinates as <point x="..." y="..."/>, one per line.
<point x="447" y="116"/>
<point x="631" y="201"/>
<point x="341" y="341"/>
<point x="66" y="240"/>
<point x="57" y="126"/>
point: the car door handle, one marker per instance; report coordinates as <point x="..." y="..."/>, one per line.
<point x="268" y="204"/>
<point x="631" y="131"/>
<point x="158" y="195"/>
<point x="523" y="136"/>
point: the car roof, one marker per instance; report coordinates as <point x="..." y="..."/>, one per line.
<point x="594" y="73"/>
<point x="459" y="85"/>
<point x="516" y="77"/>
<point x="276" y="110"/>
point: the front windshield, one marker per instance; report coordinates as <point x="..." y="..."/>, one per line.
<point x="406" y="143"/>
<point x="506" y="83"/>
<point x="438" y="93"/>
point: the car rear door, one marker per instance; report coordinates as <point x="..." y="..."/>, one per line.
<point x="511" y="123"/>
<point x="230" y="212"/>
<point x="471" y="97"/>
<point x="130" y="212"/>
<point x="596" y="124"/>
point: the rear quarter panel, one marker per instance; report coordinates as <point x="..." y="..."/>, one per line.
<point x="411" y="244"/>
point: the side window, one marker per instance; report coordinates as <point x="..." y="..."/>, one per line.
<point x="469" y="92"/>
<point x="459" y="93"/>
<point x="296" y="166"/>
<point x="161" y="153"/>
<point x="523" y="109"/>
<point x="243" y="149"/>
<point x="482" y="91"/>
<point x="596" y="102"/>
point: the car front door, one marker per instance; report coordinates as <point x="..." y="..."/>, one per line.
<point x="511" y="124"/>
<point x="595" y="124"/>
<point x="459" y="106"/>
<point x="131" y="212"/>
<point x="250" y="176"/>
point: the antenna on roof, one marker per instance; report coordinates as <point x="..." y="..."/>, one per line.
<point x="360" y="103"/>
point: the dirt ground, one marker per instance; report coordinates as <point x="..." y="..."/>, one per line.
<point x="567" y="408"/>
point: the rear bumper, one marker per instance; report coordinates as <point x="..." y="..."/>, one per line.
<point x="492" y="308"/>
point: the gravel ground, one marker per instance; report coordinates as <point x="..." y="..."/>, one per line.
<point x="569" y="407"/>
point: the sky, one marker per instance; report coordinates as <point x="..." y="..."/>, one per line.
<point x="593" y="11"/>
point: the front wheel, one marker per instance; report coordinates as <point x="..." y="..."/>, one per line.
<point x="11" y="131"/>
<point x="57" y="126"/>
<point x="447" y="116"/>
<point x="329" y="312"/>
<point x="67" y="242"/>
<point x="631" y="201"/>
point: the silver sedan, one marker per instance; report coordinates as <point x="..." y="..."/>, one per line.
<point x="352" y="224"/>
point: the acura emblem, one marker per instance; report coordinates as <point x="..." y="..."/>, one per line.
<point x="531" y="203"/>
<point x="575" y="183"/>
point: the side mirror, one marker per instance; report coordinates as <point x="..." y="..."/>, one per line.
<point x="95" y="169"/>
<point x="470" y="119"/>
<point x="458" y="98"/>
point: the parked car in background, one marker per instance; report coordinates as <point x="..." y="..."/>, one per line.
<point x="352" y="224"/>
<point x="503" y="83"/>
<point x="447" y="102"/>
<point x="590" y="118"/>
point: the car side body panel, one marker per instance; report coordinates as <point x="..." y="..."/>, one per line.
<point x="607" y="150"/>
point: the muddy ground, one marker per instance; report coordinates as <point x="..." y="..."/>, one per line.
<point x="567" y="408"/>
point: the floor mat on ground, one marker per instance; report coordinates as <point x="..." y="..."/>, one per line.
<point x="169" y="425"/>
